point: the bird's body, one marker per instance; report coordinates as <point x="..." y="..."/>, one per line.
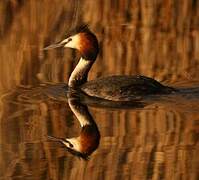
<point x="123" y="88"/>
<point x="113" y="88"/>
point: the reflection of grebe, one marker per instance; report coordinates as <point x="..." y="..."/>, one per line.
<point x="88" y="140"/>
<point x="114" y="88"/>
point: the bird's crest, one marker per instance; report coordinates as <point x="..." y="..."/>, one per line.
<point x="78" y="29"/>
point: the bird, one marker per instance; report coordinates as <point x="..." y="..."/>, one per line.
<point x="116" y="88"/>
<point x="87" y="142"/>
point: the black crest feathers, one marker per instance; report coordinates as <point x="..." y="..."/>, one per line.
<point x="78" y="29"/>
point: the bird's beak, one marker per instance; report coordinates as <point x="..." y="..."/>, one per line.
<point x="62" y="140"/>
<point x="53" y="138"/>
<point x="56" y="45"/>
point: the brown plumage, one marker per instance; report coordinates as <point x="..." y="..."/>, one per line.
<point x="89" y="139"/>
<point x="113" y="88"/>
<point x="88" y="45"/>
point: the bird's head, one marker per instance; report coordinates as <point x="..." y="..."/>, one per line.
<point x="82" y="39"/>
<point x="83" y="145"/>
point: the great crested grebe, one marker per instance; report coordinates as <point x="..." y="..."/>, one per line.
<point x="88" y="140"/>
<point x="113" y="88"/>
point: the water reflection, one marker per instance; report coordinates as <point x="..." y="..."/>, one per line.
<point x="156" y="140"/>
<point x="159" y="139"/>
<point x="88" y="140"/>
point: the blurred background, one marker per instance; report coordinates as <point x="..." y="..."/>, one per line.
<point x="159" y="39"/>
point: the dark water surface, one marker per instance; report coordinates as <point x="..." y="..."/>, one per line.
<point x="156" y="138"/>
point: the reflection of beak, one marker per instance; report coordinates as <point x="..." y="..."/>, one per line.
<point x="53" y="138"/>
<point x="56" y="45"/>
<point x="60" y="140"/>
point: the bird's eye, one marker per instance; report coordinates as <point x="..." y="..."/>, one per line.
<point x="71" y="146"/>
<point x="69" y="39"/>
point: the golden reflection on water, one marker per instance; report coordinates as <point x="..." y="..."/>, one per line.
<point x="156" y="140"/>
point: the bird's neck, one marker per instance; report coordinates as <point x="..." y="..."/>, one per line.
<point x="81" y="112"/>
<point x="80" y="73"/>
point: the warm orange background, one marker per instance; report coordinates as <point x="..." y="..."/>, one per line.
<point x="159" y="39"/>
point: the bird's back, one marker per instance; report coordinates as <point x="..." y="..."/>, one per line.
<point x="124" y="88"/>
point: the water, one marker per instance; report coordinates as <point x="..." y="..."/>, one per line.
<point x="156" y="138"/>
<point x="159" y="139"/>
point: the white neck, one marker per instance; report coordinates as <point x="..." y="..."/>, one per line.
<point x="80" y="73"/>
<point x="81" y="112"/>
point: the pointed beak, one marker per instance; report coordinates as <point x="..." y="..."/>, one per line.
<point x="56" y="45"/>
<point x="61" y="140"/>
<point x="53" y="138"/>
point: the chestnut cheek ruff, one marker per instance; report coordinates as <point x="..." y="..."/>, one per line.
<point x="89" y="46"/>
<point x="90" y="137"/>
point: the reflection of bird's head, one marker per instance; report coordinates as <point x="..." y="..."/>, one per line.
<point x="82" y="39"/>
<point x="83" y="145"/>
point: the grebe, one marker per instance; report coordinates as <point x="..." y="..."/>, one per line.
<point x="88" y="140"/>
<point x="113" y="88"/>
